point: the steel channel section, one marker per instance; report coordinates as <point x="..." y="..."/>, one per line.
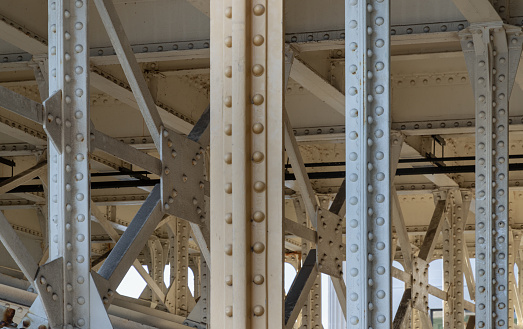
<point x="368" y="170"/>
<point x="182" y="265"/>
<point x="453" y="261"/>
<point x="492" y="54"/>
<point x="247" y="156"/>
<point x="69" y="189"/>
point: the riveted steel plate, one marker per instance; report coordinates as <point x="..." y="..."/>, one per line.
<point x="330" y="248"/>
<point x="182" y="177"/>
<point x="420" y="284"/>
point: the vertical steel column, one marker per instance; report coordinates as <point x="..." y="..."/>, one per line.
<point x="511" y="279"/>
<point x="492" y="55"/>
<point x="453" y="261"/>
<point x="367" y="27"/>
<point x="448" y="271"/>
<point x="247" y="159"/>
<point x="69" y="190"/>
<point x="306" y="246"/>
<point x="182" y="266"/>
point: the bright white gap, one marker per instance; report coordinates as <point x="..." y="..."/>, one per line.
<point x="132" y="284"/>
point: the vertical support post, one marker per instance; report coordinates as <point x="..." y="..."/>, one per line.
<point x="448" y="272"/>
<point x="247" y="157"/>
<point x="69" y="187"/>
<point x="511" y="279"/>
<point x="367" y="27"/>
<point x="492" y="55"/>
<point x="453" y="261"/>
<point x="306" y="246"/>
<point x="182" y="267"/>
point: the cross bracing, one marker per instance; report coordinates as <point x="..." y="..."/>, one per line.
<point x="224" y="137"/>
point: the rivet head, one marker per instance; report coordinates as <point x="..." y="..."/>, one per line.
<point x="258" y="216"/>
<point x="258" y="279"/>
<point x="227" y="101"/>
<point x="228" y="280"/>
<point x="258" y="10"/>
<point x="259" y="186"/>
<point x="228" y="158"/>
<point x="257" y="157"/>
<point x="258" y="247"/>
<point x="228" y="218"/>
<point x="228" y="42"/>
<point x="228" y="12"/>
<point x="259" y="310"/>
<point x="257" y="70"/>
<point x="228" y="188"/>
<point x="257" y="128"/>
<point x="228" y="71"/>
<point x="258" y="40"/>
<point x="228" y="129"/>
<point x="257" y="99"/>
<point x="228" y="311"/>
<point x="228" y="249"/>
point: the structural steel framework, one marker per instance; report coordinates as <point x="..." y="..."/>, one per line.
<point x="206" y="137"/>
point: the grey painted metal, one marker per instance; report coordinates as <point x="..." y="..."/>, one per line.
<point x="300" y="230"/>
<point x="53" y="120"/>
<point x="130" y="67"/>
<point x="182" y="182"/>
<point x="201" y="126"/>
<point x="404" y="308"/>
<point x="330" y="249"/>
<point x="492" y="55"/>
<point x="134" y="238"/>
<point x="23" y="177"/>
<point x="433" y="232"/>
<point x="125" y="152"/>
<point x="199" y="316"/>
<point x="298" y="293"/>
<point x="295" y="158"/>
<point x="21" y="105"/>
<point x="367" y="93"/>
<point x="69" y="189"/>
<point x="16" y="249"/>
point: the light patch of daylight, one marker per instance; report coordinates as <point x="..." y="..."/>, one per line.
<point x="132" y="284"/>
<point x="167" y="278"/>
<point x="325" y="281"/>
<point x="290" y="274"/>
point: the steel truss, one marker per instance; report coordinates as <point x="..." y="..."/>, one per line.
<point x="240" y="228"/>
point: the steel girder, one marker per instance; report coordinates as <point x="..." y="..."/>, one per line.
<point x="492" y="53"/>
<point x="367" y="150"/>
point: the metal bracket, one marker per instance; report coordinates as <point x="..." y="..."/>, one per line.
<point x="104" y="289"/>
<point x="330" y="248"/>
<point x="33" y="321"/>
<point x="52" y="122"/>
<point x="50" y="286"/>
<point x="420" y="285"/>
<point x="182" y="177"/>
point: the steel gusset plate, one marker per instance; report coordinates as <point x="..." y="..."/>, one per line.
<point x="330" y="248"/>
<point x="182" y="178"/>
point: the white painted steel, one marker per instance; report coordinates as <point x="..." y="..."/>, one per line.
<point x="367" y="92"/>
